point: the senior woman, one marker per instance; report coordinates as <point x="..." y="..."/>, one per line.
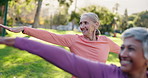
<point x="89" y="45"/>
<point x="133" y="57"/>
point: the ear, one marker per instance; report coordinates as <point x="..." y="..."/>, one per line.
<point x="97" y="25"/>
<point x="147" y="63"/>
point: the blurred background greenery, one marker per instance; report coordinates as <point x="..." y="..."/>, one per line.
<point x="58" y="14"/>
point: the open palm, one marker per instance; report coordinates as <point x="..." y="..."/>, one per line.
<point x="16" y="30"/>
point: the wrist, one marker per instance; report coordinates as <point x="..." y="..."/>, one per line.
<point x="23" y="29"/>
<point x="7" y="41"/>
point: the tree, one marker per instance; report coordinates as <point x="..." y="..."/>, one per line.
<point x="3" y="14"/>
<point x="20" y="12"/>
<point x="124" y="24"/>
<point x="115" y="8"/>
<point x="63" y="11"/>
<point x="75" y="18"/>
<point x="36" y="18"/>
<point x="142" y="19"/>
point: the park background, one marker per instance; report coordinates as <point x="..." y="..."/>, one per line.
<point x="62" y="17"/>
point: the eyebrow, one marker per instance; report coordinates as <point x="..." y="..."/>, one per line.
<point x="83" y="21"/>
<point x="129" y="45"/>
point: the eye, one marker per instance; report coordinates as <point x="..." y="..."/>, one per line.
<point x="80" y="23"/>
<point x="122" y="48"/>
<point x="85" y="22"/>
<point x="131" y="49"/>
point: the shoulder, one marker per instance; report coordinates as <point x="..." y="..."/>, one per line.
<point x="103" y="37"/>
<point x="114" y="70"/>
<point x="70" y="36"/>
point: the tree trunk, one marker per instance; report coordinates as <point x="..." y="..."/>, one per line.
<point x="36" y="18"/>
<point x="73" y="24"/>
<point x="2" y="8"/>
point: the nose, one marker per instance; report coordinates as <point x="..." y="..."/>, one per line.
<point x="82" y="25"/>
<point x="124" y="53"/>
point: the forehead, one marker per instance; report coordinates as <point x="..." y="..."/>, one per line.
<point x="131" y="41"/>
<point x="84" y="18"/>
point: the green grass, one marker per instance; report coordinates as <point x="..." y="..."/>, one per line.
<point x="15" y="63"/>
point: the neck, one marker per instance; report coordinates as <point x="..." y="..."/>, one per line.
<point x="91" y="38"/>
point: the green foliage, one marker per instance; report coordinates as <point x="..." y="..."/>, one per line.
<point x="65" y="2"/>
<point x="124" y="21"/>
<point x="75" y="16"/>
<point x="3" y="2"/>
<point x="18" y="10"/>
<point x="132" y="17"/>
<point x="139" y="19"/>
<point x="142" y="19"/>
<point x="59" y="19"/>
<point x="62" y="16"/>
<point x="103" y="13"/>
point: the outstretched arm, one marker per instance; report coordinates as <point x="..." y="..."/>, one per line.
<point x="7" y="41"/>
<point x="64" y="40"/>
<point x="15" y="30"/>
<point x="69" y="62"/>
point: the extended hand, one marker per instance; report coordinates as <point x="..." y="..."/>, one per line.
<point x="16" y="30"/>
<point x="7" y="41"/>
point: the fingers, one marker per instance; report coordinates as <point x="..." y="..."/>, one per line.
<point x="5" y="27"/>
<point x="1" y="40"/>
<point x="15" y="30"/>
<point x="7" y="41"/>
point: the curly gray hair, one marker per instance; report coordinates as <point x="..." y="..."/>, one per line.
<point x="139" y="33"/>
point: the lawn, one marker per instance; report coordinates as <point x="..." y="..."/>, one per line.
<point x="15" y="63"/>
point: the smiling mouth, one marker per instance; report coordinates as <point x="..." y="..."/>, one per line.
<point x="125" y="63"/>
<point x="84" y="30"/>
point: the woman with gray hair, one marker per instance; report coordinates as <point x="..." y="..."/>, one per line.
<point x="90" y="45"/>
<point x="140" y="34"/>
<point x="133" y="57"/>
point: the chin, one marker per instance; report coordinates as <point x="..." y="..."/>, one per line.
<point x="124" y="69"/>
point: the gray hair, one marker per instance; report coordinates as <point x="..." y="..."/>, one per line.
<point x="141" y="34"/>
<point x="94" y="17"/>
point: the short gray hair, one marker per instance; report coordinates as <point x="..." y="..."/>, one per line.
<point x="139" y="33"/>
<point x="94" y="17"/>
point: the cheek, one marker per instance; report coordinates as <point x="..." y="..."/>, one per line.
<point x="138" y="61"/>
<point x="91" y="27"/>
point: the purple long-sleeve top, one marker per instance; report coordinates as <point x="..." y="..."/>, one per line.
<point x="78" y="66"/>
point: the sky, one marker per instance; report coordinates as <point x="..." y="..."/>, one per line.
<point x="133" y="6"/>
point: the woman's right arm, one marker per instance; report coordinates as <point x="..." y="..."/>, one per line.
<point x="64" y="40"/>
<point x="67" y="61"/>
<point x="78" y="66"/>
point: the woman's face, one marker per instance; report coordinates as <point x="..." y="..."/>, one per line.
<point x="87" y="26"/>
<point x="131" y="56"/>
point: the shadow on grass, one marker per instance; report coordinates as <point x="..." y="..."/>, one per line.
<point x="20" y="64"/>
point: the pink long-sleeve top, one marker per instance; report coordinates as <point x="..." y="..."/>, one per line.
<point x="93" y="50"/>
